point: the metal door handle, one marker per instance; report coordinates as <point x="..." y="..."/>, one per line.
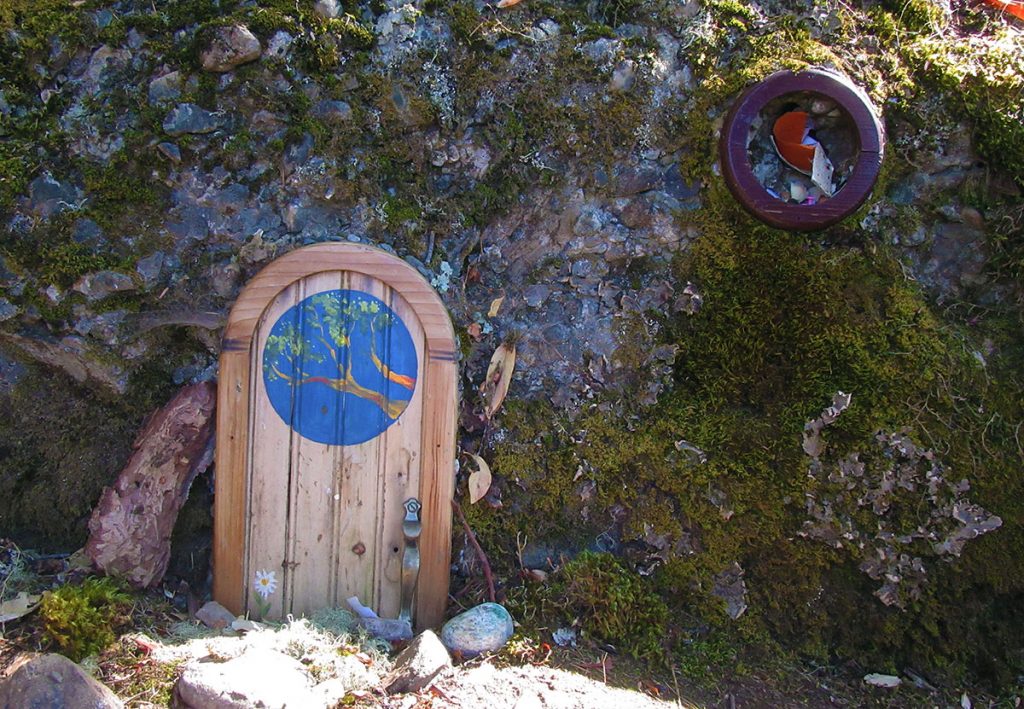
<point x="411" y="529"/>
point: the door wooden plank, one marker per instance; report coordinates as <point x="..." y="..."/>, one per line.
<point x="351" y="566"/>
<point x="270" y="472"/>
<point x="399" y="470"/>
<point x="356" y="543"/>
<point x="314" y="508"/>
<point x="360" y="541"/>
<point x="438" y="488"/>
<point x="230" y="483"/>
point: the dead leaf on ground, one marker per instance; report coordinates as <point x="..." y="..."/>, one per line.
<point x="479" y="479"/>
<point x="495" y="306"/>
<point x="20" y="605"/>
<point x="499" y="376"/>
<point x="538" y="575"/>
<point x="508" y="3"/>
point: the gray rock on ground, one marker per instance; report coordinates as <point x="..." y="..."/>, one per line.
<point x="417" y="665"/>
<point x="230" y="47"/>
<point x="214" y="615"/>
<point x="257" y="678"/>
<point x="55" y="682"/>
<point x="483" y="628"/>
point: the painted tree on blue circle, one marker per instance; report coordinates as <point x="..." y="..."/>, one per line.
<point x="340" y="367"/>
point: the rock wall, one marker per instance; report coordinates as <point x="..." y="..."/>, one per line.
<point x="550" y="167"/>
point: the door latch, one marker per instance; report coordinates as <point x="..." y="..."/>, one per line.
<point x="411" y="529"/>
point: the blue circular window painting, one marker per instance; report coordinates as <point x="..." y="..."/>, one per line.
<point x="340" y="367"/>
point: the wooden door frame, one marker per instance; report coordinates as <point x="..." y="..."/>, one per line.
<point x="437" y="442"/>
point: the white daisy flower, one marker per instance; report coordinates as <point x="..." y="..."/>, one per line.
<point x="265" y="583"/>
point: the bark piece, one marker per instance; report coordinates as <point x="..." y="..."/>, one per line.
<point x="130" y="529"/>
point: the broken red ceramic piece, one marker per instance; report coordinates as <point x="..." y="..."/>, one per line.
<point x="1014" y="7"/>
<point x="789" y="132"/>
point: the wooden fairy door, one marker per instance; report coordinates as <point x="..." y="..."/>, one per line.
<point x="336" y="407"/>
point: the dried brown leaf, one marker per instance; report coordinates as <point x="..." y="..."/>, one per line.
<point x="495" y="306"/>
<point x="508" y="3"/>
<point x="538" y="575"/>
<point x="499" y="376"/>
<point x="20" y="605"/>
<point x="479" y="479"/>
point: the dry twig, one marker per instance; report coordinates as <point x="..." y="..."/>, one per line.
<point x="484" y="564"/>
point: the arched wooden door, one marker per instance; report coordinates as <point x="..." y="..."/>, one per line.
<point x="336" y="405"/>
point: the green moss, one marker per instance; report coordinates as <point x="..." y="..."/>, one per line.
<point x="81" y="620"/>
<point x="398" y="212"/>
<point x="63" y="264"/>
<point x="320" y="40"/>
<point x="117" y="187"/>
<point x="466" y="23"/>
<point x="37" y="23"/>
<point x="979" y="75"/>
<point x="732" y="13"/>
<point x="785" y="324"/>
<point x="703" y="659"/>
<point x="984" y="81"/>
<point x="612" y="604"/>
<point x="616" y="12"/>
<point x="917" y="15"/>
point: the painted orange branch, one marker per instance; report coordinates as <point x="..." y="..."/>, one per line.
<point x="347" y="384"/>
<point x="400" y="379"/>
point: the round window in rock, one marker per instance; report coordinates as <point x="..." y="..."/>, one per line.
<point x="801" y="151"/>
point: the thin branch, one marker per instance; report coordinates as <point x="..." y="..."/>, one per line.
<point x="476" y="547"/>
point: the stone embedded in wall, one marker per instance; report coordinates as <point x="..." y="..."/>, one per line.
<point x="327" y="8"/>
<point x="8" y="309"/>
<point x="103" y="284"/>
<point x="730" y="587"/>
<point x="333" y="111"/>
<point x="130" y="529"/>
<point x="165" y="88"/>
<point x="48" y="196"/>
<point x="230" y="47"/>
<point x="80" y="360"/>
<point x="186" y="118"/>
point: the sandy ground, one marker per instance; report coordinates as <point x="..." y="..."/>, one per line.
<point x="525" y="687"/>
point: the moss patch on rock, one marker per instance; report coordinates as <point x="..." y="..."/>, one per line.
<point x="715" y="471"/>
